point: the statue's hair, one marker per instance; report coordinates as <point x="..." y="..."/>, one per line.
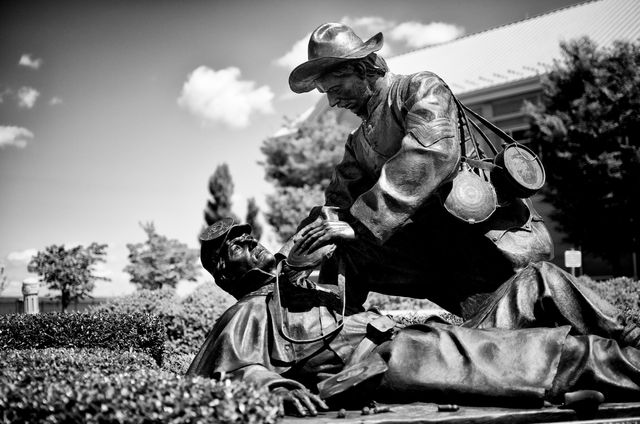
<point x="374" y="67"/>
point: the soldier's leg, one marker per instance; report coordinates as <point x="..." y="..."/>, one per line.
<point x="543" y="295"/>
<point x="596" y="363"/>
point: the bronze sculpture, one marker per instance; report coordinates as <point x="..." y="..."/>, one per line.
<point x="398" y="166"/>
<point x="583" y="347"/>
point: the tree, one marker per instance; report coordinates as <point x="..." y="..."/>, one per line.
<point x="252" y="217"/>
<point x="300" y="164"/>
<point x="221" y="189"/>
<point x="160" y="262"/>
<point x="69" y="270"/>
<point x="586" y="129"/>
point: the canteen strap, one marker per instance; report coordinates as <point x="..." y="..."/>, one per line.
<point x="485" y="138"/>
<point x="503" y="135"/>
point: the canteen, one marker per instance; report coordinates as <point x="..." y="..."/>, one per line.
<point x="472" y="198"/>
<point x="519" y="172"/>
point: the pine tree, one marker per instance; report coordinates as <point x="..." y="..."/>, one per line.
<point x="221" y="190"/>
<point x="252" y="218"/>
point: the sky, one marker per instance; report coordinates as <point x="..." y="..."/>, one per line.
<point x="115" y="113"/>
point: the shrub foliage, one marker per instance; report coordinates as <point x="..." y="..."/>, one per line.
<point x="187" y="320"/>
<point x="60" y="360"/>
<point x="31" y="392"/>
<point x="136" y="332"/>
<point x="621" y="292"/>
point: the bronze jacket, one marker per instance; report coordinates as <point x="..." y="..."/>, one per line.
<point x="246" y="342"/>
<point x="388" y="186"/>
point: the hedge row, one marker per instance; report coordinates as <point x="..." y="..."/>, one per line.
<point x="72" y="392"/>
<point x="60" y="360"/>
<point x="187" y="320"/>
<point x="125" y="332"/>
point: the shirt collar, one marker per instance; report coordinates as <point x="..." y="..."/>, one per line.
<point x="255" y="281"/>
<point x="380" y="91"/>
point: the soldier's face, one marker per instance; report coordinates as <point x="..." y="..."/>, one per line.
<point x="244" y="253"/>
<point x="347" y="91"/>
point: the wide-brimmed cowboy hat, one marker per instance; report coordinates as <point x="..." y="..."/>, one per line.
<point x="213" y="238"/>
<point x="329" y="45"/>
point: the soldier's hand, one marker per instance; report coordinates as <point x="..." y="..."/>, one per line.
<point x="320" y="233"/>
<point x="300" y="402"/>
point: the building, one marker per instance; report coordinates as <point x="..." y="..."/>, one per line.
<point x="495" y="71"/>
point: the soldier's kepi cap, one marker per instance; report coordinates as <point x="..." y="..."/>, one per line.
<point x="214" y="237"/>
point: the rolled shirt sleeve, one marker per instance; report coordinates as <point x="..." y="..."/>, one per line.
<point x="428" y="156"/>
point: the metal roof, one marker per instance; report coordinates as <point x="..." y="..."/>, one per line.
<point x="522" y="49"/>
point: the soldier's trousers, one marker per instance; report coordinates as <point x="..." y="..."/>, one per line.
<point x="543" y="295"/>
<point x="540" y="335"/>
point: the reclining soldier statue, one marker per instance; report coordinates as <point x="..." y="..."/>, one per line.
<point x="540" y="335"/>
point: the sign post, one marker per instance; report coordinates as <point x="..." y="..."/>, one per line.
<point x="573" y="260"/>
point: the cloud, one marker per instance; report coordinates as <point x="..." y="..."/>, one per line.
<point x="55" y="101"/>
<point x="100" y="269"/>
<point x="27" y="97"/>
<point x="368" y="26"/>
<point x="365" y="27"/>
<point x="221" y="96"/>
<point x="416" y="34"/>
<point x="23" y="256"/>
<point x="296" y="55"/>
<point x="14" y="136"/>
<point x="30" y="62"/>
<point x="403" y="35"/>
<point x="3" y="94"/>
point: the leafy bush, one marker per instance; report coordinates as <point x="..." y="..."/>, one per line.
<point x="59" y="360"/>
<point x="137" y="332"/>
<point x="34" y="393"/>
<point x="177" y="363"/>
<point x="201" y="310"/>
<point x="162" y="303"/>
<point x="187" y="320"/>
<point x="622" y="292"/>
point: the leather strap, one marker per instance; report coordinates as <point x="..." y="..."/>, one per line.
<point x="503" y="135"/>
